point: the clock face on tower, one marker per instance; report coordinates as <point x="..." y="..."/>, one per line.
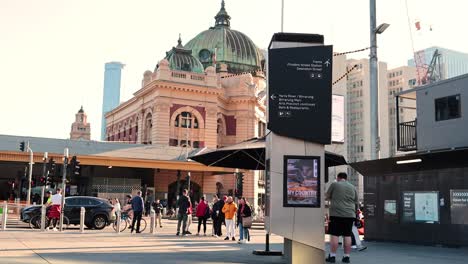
<point x="205" y="55"/>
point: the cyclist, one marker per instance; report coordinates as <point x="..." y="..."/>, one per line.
<point x="56" y="208"/>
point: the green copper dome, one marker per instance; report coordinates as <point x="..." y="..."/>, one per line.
<point x="232" y="47"/>
<point x="181" y="59"/>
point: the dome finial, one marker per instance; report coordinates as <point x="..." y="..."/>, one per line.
<point x="179" y="42"/>
<point x="222" y="18"/>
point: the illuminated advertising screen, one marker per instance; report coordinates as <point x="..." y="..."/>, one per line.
<point x="422" y="207"/>
<point x="301" y="181"/>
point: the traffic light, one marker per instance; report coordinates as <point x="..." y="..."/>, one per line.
<point x="75" y="166"/>
<point x="22" y="146"/>
<point x="51" y="172"/>
<point x="240" y="184"/>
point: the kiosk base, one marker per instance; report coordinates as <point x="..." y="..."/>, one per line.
<point x="267" y="251"/>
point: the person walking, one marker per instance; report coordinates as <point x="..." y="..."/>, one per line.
<point x="229" y="210"/>
<point x="344" y="203"/>
<point x="184" y="205"/>
<point x="215" y="215"/>
<point x="158" y="210"/>
<point x="355" y="239"/>
<point x="202" y="213"/>
<point x="244" y="220"/>
<point x="55" y="204"/>
<point x="137" y="206"/>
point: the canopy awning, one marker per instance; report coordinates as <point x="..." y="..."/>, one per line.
<point x="250" y="155"/>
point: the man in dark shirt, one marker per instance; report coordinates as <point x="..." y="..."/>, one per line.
<point x="137" y="206"/>
<point x="184" y="204"/>
<point x="217" y="215"/>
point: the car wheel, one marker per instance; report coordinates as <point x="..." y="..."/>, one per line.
<point x="99" y="222"/>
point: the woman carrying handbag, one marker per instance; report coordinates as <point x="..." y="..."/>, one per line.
<point x="244" y="220"/>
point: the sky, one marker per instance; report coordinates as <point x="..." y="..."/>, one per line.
<point x="52" y="52"/>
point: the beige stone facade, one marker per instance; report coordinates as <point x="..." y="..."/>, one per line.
<point x="198" y="97"/>
<point x="193" y="110"/>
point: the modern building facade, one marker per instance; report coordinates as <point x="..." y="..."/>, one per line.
<point x="111" y="95"/>
<point x="400" y="79"/>
<point x="339" y="112"/>
<point x="80" y="129"/>
<point x="358" y="116"/>
<point x="453" y="63"/>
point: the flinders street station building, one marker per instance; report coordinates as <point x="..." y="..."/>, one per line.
<point x="204" y="94"/>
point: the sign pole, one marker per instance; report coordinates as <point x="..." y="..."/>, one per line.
<point x="64" y="179"/>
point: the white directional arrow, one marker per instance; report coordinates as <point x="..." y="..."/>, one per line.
<point x="273" y="97"/>
<point x="327" y="63"/>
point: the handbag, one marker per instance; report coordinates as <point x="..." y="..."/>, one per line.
<point x="247" y="222"/>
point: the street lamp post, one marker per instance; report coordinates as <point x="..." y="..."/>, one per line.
<point x="374" y="94"/>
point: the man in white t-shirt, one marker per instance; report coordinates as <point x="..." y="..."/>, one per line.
<point x="56" y="208"/>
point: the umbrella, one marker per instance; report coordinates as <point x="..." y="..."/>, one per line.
<point x="249" y="155"/>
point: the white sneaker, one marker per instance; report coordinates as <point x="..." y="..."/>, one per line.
<point x="55" y="229"/>
<point x="47" y="229"/>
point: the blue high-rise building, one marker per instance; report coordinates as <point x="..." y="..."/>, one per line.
<point x="111" y="95"/>
<point x="454" y="63"/>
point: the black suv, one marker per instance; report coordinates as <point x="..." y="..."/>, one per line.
<point x="99" y="212"/>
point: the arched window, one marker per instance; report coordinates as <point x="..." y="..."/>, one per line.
<point x="185" y="120"/>
<point x="147" y="129"/>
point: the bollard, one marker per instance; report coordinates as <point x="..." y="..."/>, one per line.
<point x="82" y="219"/>
<point x="119" y="217"/>
<point x="43" y="216"/>
<point x="4" y="215"/>
<point x="153" y="222"/>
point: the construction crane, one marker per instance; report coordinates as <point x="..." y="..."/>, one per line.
<point x="425" y="73"/>
<point x="434" y="70"/>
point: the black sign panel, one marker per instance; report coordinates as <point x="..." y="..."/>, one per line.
<point x="300" y="92"/>
<point x="408" y="207"/>
<point x="459" y="207"/>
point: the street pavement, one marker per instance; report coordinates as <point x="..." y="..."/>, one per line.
<point x="23" y="245"/>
